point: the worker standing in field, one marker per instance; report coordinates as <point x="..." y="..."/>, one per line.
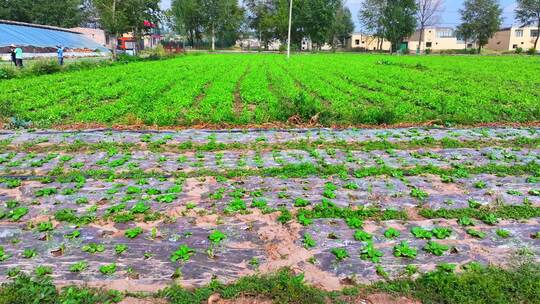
<point x="60" y="53"/>
<point x="19" y="57"/>
<point x="12" y="52"/>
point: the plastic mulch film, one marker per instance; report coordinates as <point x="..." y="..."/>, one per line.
<point x="41" y="37"/>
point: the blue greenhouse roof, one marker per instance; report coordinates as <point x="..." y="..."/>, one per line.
<point x="25" y="34"/>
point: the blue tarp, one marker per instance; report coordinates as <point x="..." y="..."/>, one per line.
<point x="21" y="35"/>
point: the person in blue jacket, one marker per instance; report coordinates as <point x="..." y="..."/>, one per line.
<point x="60" y="53"/>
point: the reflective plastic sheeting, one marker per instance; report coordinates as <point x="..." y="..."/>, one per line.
<point x="40" y="37"/>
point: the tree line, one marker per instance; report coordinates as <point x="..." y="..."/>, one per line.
<point x="321" y="21"/>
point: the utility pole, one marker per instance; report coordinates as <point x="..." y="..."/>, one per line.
<point x="290" y="25"/>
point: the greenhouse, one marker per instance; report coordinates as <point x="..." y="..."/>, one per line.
<point x="43" y="39"/>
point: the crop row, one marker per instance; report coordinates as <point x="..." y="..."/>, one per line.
<point x="242" y="89"/>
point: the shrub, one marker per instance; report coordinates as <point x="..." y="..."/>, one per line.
<point x="125" y="58"/>
<point x="7" y="73"/>
<point x="45" y="67"/>
<point x="531" y="51"/>
<point x="157" y="53"/>
<point x="519" y="50"/>
<point x="428" y="51"/>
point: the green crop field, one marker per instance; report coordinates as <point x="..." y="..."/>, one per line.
<point x="331" y="89"/>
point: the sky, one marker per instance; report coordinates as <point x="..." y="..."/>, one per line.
<point x="449" y="17"/>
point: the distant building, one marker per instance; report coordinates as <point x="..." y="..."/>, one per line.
<point x="98" y="35"/>
<point x="307" y="45"/>
<point x="365" y="42"/>
<point x="511" y="38"/>
<point x="438" y="39"/>
<point x="126" y="41"/>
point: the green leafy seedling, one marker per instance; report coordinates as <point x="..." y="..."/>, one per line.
<point x="183" y="253"/>
<point x="369" y="252"/>
<point x="354" y="222"/>
<point x="421" y="233"/>
<point x="419" y="194"/>
<point x="490" y="219"/>
<point x="361" y="235"/>
<point x="392" y="233"/>
<point x="42" y="271"/>
<point x="340" y="254"/>
<point x="476" y="233"/>
<point x="120" y="248"/>
<point x="447" y="267"/>
<point x="441" y="232"/>
<point x="308" y="241"/>
<point x="503" y="233"/>
<point x="93" y="248"/>
<point x="436" y="248"/>
<point x="29" y="253"/>
<point x="79" y="266"/>
<point x="403" y="250"/>
<point x="465" y="221"/>
<point x="108" y="269"/>
<point x="3" y="255"/>
<point x="73" y="235"/>
<point x="300" y="202"/>
<point x="133" y="232"/>
<point x="16" y="214"/>
<point x="216" y="236"/>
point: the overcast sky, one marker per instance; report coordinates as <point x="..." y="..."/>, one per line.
<point x="449" y="17"/>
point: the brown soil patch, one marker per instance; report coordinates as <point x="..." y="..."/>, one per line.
<point x="412" y="214"/>
<point x="131" y="300"/>
<point x="238" y="106"/>
<point x="279" y="125"/>
<point x="216" y="299"/>
<point x="382" y="298"/>
<point x="282" y="250"/>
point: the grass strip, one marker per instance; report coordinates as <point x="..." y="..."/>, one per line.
<point x="474" y="284"/>
<point x="306" y="145"/>
<point x="302" y="170"/>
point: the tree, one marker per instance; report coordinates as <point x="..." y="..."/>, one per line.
<point x="528" y="12"/>
<point x="343" y="25"/>
<point x="187" y="16"/>
<point x="260" y="18"/>
<point x="398" y="21"/>
<point x="62" y="13"/>
<point x="370" y="16"/>
<point x="139" y="11"/>
<point x="120" y="16"/>
<point x="480" y="19"/>
<point x="113" y="19"/>
<point x="220" y="17"/>
<point x="316" y="18"/>
<point x="313" y="19"/>
<point x="427" y="15"/>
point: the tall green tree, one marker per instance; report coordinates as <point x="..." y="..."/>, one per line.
<point x="120" y="16"/>
<point x="260" y="18"/>
<point x="398" y="21"/>
<point x="343" y="26"/>
<point x="221" y="17"/>
<point x="480" y="20"/>
<point x="188" y="19"/>
<point x="528" y="12"/>
<point x="315" y="19"/>
<point x="62" y="13"/>
<point x="138" y="11"/>
<point x="371" y="15"/>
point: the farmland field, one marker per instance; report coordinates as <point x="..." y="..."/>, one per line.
<point x="247" y="195"/>
<point x="138" y="211"/>
<point x="338" y="89"/>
